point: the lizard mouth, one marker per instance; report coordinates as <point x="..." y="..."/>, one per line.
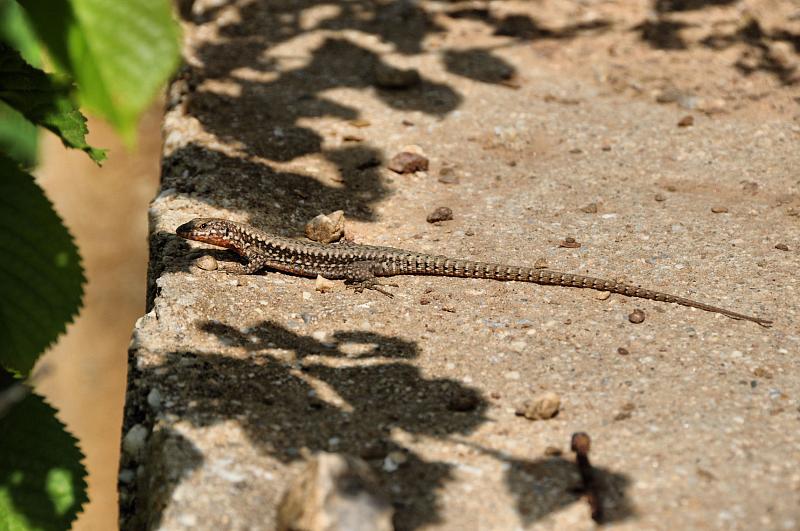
<point x="185" y="230"/>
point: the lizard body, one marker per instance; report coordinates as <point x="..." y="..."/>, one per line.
<point x="361" y="265"/>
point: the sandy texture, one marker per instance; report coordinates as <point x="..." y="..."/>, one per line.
<point x="557" y="120"/>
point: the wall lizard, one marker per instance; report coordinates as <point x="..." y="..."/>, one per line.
<point x="361" y="265"/>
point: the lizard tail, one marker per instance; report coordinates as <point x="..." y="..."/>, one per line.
<point x="546" y="276"/>
<point x="471" y="269"/>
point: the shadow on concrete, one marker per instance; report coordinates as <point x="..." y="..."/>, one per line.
<point x="547" y="484"/>
<point x="294" y="394"/>
<point x="664" y="32"/>
<point x="758" y="54"/>
<point x="667" y="6"/>
<point x="173" y="458"/>
<point x="261" y="103"/>
<point x="526" y="28"/>
<point x="274" y="398"/>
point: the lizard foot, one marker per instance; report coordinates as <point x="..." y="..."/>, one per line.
<point x="360" y="285"/>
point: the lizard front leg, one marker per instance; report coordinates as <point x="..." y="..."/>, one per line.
<point x="254" y="263"/>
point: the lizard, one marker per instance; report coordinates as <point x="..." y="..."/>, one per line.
<point x="361" y="266"/>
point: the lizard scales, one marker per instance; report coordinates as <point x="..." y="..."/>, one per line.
<point x="361" y="265"/>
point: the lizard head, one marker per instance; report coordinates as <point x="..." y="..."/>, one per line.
<point x="207" y="230"/>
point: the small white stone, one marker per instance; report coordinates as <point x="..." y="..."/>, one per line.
<point x="519" y="346"/>
<point x="134" y="441"/>
<point x="389" y="465"/>
<point x="154" y="399"/>
<point x="323" y="284"/>
<point x="187" y="520"/>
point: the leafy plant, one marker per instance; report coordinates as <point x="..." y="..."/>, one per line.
<point x="111" y="56"/>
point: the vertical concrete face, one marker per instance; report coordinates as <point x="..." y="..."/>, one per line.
<point x="286" y="110"/>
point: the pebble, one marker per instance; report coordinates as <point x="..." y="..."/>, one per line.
<point x="324" y="338"/>
<point x="540" y="263"/>
<point x="602" y="295"/>
<point x="636" y="316"/>
<point x="154" y="399"/>
<point x="686" y="121"/>
<point x="440" y="214"/>
<point x="335" y="492"/>
<point x="187" y="520"/>
<point x="326" y="228"/>
<point x="207" y="263"/>
<point x="669" y="95"/>
<point x="622" y="351"/>
<point x="712" y="105"/>
<point x="719" y="209"/>
<point x="553" y="451"/>
<point x="660" y="197"/>
<point x="360" y="122"/>
<point x="126" y="475"/>
<point x="389" y="77"/>
<point x="518" y="346"/>
<point x="569" y="243"/>
<point x="407" y="162"/>
<point x="782" y="247"/>
<point x="591" y="208"/>
<point x="542" y="407"/>
<point x="447" y="175"/>
<point x="761" y="372"/>
<point x="397" y="458"/>
<point x="463" y="400"/>
<point x="134" y="441"/>
<point x="322" y="284"/>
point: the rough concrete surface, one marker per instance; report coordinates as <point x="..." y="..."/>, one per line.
<point x="547" y="120"/>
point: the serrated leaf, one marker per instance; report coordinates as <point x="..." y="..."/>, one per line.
<point x="44" y="100"/>
<point x="19" y="138"/>
<point x="42" y="478"/>
<point x="120" y="52"/>
<point x="41" y="279"/>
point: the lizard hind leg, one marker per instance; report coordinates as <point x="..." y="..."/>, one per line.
<point x="361" y="276"/>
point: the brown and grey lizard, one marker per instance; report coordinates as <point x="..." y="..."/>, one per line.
<point x="361" y="265"/>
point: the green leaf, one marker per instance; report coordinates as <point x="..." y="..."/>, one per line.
<point x="44" y="100"/>
<point x="42" y="478"/>
<point x="41" y="279"/>
<point x="16" y="31"/>
<point x="19" y="138"/>
<point x="120" y="52"/>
